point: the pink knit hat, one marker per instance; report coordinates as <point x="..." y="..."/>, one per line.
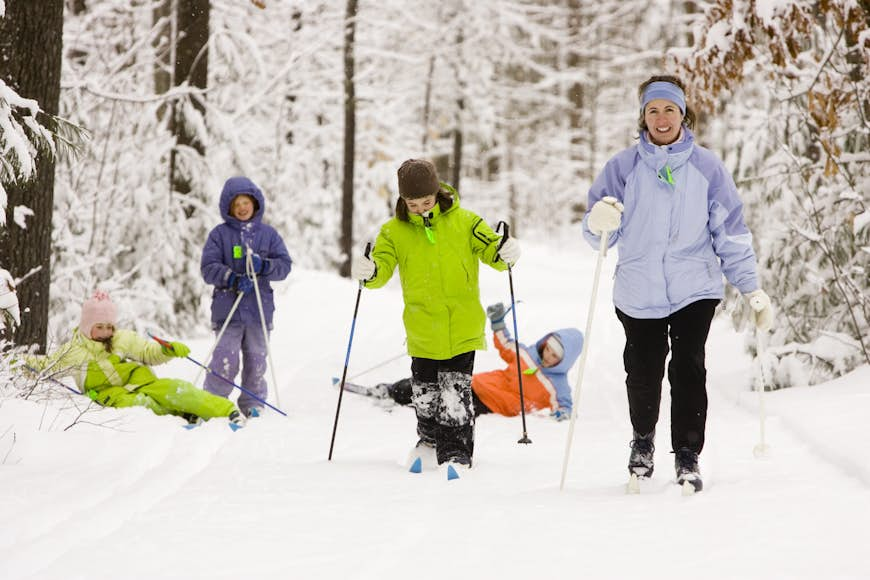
<point x="98" y="308"/>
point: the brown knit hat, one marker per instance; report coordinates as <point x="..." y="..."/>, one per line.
<point x="418" y="178"/>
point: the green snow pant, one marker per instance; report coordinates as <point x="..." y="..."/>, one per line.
<point x="167" y="396"/>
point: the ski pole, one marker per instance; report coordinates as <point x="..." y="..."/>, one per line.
<point x="525" y="438"/>
<point x="53" y="380"/>
<point x="168" y="345"/>
<point x="220" y="335"/>
<point x="761" y="449"/>
<point x="379" y="365"/>
<point x="347" y="356"/>
<point x="602" y="252"/>
<point x="250" y="269"/>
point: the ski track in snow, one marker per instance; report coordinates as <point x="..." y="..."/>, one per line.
<point x="157" y="501"/>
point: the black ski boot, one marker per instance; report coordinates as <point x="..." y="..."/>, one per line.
<point x="688" y="473"/>
<point x="640" y="462"/>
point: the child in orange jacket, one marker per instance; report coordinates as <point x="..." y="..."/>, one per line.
<point x="544" y="365"/>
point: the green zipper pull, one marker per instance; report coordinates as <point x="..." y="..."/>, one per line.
<point x="530" y="371"/>
<point x="427" y="225"/>
<point x="670" y="176"/>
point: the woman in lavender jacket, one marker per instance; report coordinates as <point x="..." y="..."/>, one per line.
<point x="673" y="208"/>
<point x="224" y="256"/>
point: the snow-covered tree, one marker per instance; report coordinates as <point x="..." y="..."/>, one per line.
<point x="31" y="134"/>
<point x="791" y="81"/>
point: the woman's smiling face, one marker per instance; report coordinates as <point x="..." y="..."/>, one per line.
<point x="663" y="121"/>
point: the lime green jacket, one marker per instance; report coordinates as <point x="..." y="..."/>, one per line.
<point x="439" y="274"/>
<point x="93" y="368"/>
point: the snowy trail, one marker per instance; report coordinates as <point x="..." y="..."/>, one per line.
<point x="156" y="501"/>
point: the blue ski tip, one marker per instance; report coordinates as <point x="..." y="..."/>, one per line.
<point x="417" y="466"/>
<point x="190" y="426"/>
<point x="234" y="427"/>
<point x="451" y="473"/>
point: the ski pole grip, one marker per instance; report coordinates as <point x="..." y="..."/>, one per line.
<point x="161" y="342"/>
<point x="505" y="236"/>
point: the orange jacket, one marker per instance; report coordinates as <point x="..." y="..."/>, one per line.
<point x="542" y="388"/>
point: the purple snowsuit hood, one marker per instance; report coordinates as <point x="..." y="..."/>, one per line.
<point x="235" y="186"/>
<point x="224" y="258"/>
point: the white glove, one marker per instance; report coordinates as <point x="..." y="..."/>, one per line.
<point x="510" y="251"/>
<point x="762" y="310"/>
<point x="8" y="298"/>
<point x="362" y="268"/>
<point x="605" y="215"/>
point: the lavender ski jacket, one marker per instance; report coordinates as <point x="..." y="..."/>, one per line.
<point x="225" y="252"/>
<point x="681" y="230"/>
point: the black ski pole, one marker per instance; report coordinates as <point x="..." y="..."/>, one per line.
<point x="525" y="438"/>
<point x="347" y="357"/>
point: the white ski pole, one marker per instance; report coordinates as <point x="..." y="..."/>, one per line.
<point x="219" y="336"/>
<point x="761" y="449"/>
<point x="602" y="252"/>
<point x="250" y="268"/>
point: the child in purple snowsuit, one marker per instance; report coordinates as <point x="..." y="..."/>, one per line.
<point x="224" y="260"/>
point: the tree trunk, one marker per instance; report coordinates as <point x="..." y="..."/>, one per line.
<point x="161" y="17"/>
<point x="457" y="143"/>
<point x="575" y="89"/>
<point x="456" y="157"/>
<point x="190" y="67"/>
<point x="31" y="38"/>
<point x="349" y="137"/>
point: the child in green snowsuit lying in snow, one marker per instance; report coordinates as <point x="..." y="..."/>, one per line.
<point x="109" y="367"/>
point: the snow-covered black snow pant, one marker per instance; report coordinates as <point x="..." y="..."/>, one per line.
<point x="402" y="393"/>
<point x="442" y="400"/>
<point x="646" y="348"/>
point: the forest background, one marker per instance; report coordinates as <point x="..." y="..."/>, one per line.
<point x="120" y="120"/>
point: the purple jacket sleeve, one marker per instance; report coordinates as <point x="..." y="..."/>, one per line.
<point x="280" y="262"/>
<point x="214" y="270"/>
<point x="611" y="181"/>
<point x="732" y="240"/>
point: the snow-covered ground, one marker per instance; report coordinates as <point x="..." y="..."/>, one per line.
<point x="126" y="494"/>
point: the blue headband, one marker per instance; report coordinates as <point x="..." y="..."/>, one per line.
<point x="663" y="90"/>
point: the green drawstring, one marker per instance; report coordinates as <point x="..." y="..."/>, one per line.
<point x="530" y="371"/>
<point x="427" y="225"/>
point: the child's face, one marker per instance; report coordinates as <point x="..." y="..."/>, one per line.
<point x="421" y="204"/>
<point x="102" y="331"/>
<point x="242" y="207"/>
<point x="548" y="357"/>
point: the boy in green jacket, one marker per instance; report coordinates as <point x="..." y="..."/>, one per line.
<point x="437" y="246"/>
<point x="110" y="367"/>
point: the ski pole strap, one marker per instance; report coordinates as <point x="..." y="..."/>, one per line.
<point x="505" y="235"/>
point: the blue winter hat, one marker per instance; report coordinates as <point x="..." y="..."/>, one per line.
<point x="663" y="90"/>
